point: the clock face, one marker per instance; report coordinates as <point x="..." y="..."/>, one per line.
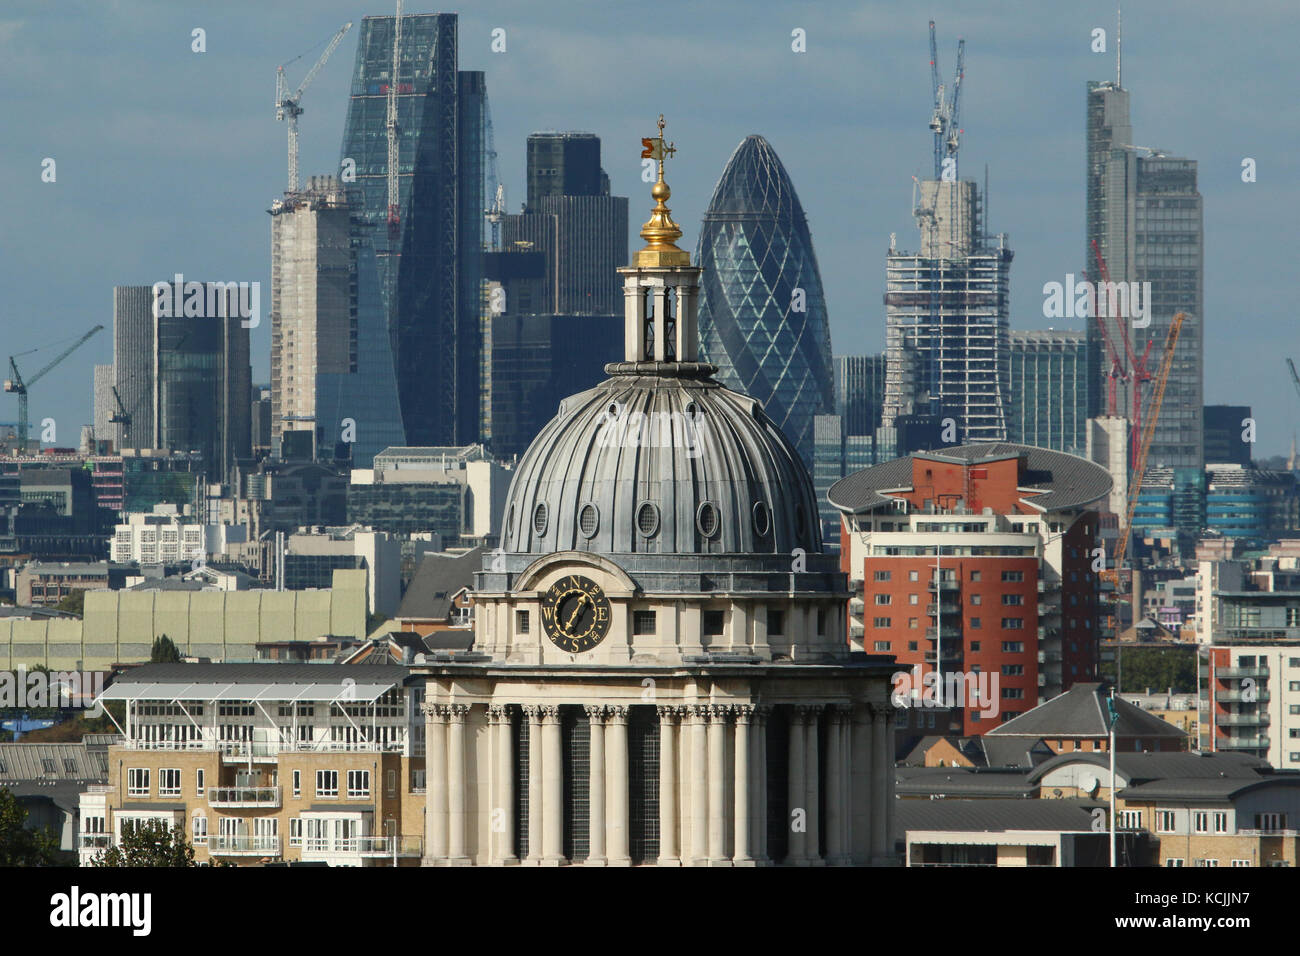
<point x="575" y="613"/>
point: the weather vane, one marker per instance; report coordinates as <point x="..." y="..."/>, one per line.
<point x="655" y="149"/>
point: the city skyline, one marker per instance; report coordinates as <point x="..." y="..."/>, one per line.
<point x="857" y="98"/>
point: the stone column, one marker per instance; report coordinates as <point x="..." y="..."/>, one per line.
<point x="596" y="792"/>
<point x="552" y="788"/>
<point x="834" y="788"/>
<point x="744" y="787"/>
<point x="669" y="854"/>
<point x="812" y="790"/>
<point x="797" y="789"/>
<point x="862" y="793"/>
<point x="879" y="769"/>
<point x="456" y="819"/>
<point x="616" y="803"/>
<point x="503" y="786"/>
<point x="699" y="785"/>
<point x="887" y="784"/>
<point x="759" y="738"/>
<point x="717" y="785"/>
<point x="534" y="714"/>
<point x="435" y="776"/>
<point x="846" y="784"/>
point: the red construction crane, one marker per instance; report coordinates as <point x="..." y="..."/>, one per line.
<point x="1134" y="371"/>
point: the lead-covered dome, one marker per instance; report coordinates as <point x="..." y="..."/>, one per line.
<point x="661" y="459"/>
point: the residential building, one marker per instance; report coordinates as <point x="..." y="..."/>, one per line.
<point x="163" y="536"/>
<point x="977" y="559"/>
<point x="763" y="315"/>
<point x="268" y="762"/>
<point x="47" y="780"/>
<point x="45" y="584"/>
<point x="441" y="595"/>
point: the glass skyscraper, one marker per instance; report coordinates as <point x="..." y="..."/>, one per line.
<point x="421" y="280"/>
<point x="762" y="316"/>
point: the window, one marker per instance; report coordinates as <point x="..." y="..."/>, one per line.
<point x="1241" y="862"/>
<point x="913" y="575"/>
<point x="69" y="765"/>
<point x="521" y="622"/>
<point x="975" y="647"/>
<point x="1165" y="822"/>
<point x="977" y="599"/>
<point x="1270" y="821"/>
<point x="775" y="622"/>
<point x="1013" y="624"/>
<point x="1013" y="693"/>
<point x="295" y="831"/>
<point x="912" y="646"/>
<point x="1011" y="600"/>
<point x="1174" y="861"/>
<point x="1009" y="576"/>
<point x="884" y="599"/>
<point x="1201" y="821"/>
<point x="1013" y="670"/>
<point x="297" y="783"/>
<point x="358" y="784"/>
<point x="882" y="622"/>
<point x="327" y="783"/>
<point x="200" y="831"/>
<point x="169" y="782"/>
<point x="417" y="781"/>
<point x="914" y="599"/>
<point x="643" y="622"/>
<point x="1130" y="820"/>
<point x="881" y="576"/>
<point x="714" y="623"/>
<point x="391" y="783"/>
<point x="976" y="623"/>
<point x="1220" y="821"/>
<point x="137" y="782"/>
<point x="882" y="646"/>
<point x="974" y="575"/>
<point x="1013" y="647"/>
<point x="47" y="764"/>
<point x="1207" y="862"/>
<point x="198" y="782"/>
<point x="913" y="622"/>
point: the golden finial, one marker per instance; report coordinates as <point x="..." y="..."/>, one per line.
<point x="660" y="232"/>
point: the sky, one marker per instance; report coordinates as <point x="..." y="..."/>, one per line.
<point x="166" y="160"/>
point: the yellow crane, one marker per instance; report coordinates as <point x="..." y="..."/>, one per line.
<point x="1112" y="573"/>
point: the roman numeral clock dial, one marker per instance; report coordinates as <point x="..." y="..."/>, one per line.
<point x="575" y="614"/>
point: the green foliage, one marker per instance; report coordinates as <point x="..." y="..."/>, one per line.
<point x="164" y="651"/>
<point x="18" y="845"/>
<point x="151" y="843"/>
<point x="1158" y="668"/>
<point x="73" y="603"/>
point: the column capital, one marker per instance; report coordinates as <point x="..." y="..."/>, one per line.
<point x="595" y="712"/>
<point x="667" y="712"/>
<point x="762" y="712"/>
<point x="457" y="712"/>
<point x="720" y="712"/>
<point x="497" y="714"/>
<point x="429" y="709"/>
<point x="532" y="711"/>
<point x="880" y="709"/>
<point x="550" y="713"/>
<point x="699" y="713"/>
<point x="744" y="712"/>
<point x="616" y="714"/>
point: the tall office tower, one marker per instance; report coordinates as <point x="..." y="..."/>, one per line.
<point x="763" y="317"/>
<point x="105" y="427"/>
<point x="1225" y="427"/>
<point x="420" y="274"/>
<point x="1049" y="390"/>
<point x="331" y="373"/>
<point x="947" y="305"/>
<point x="183" y="374"/>
<point x="859" y="392"/>
<point x="564" y="164"/>
<point x="575" y="223"/>
<point x="1144" y="214"/>
<point x="133" y="358"/>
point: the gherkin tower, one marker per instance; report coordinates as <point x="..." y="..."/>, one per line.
<point x="762" y="312"/>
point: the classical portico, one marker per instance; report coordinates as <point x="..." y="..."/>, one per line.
<point x="660" y="672"/>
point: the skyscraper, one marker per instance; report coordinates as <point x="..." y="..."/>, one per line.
<point x="763" y="318"/>
<point x="421" y="274"/>
<point x="564" y="164"/>
<point x="1049" y="390"/>
<point x="946" y="317"/>
<point x="1144" y="215"/>
<point x="859" y="392"/>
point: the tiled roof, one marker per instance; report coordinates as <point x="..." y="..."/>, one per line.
<point x="1081" y="712"/>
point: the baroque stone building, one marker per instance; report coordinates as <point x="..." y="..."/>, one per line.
<point x="659" y="671"/>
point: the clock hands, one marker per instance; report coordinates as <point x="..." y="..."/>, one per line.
<point x="577" y="609"/>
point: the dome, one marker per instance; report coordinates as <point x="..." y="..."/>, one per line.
<point x="661" y="459"/>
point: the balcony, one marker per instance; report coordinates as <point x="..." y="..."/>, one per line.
<point x="947" y="584"/>
<point x="384" y="846"/>
<point x="1242" y="743"/>
<point x="1249" y="696"/>
<point x="1230" y="673"/>
<point x="95" y="841"/>
<point x="944" y="607"/>
<point x="1241" y="720"/>
<point x="232" y="797"/>
<point x="243" y="845"/>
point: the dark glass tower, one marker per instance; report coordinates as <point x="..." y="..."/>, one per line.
<point x="763" y="316"/>
<point x="428" y="270"/>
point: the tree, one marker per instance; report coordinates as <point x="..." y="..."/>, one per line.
<point x="149" y="843"/>
<point x="20" y="846"/>
<point x="164" y="651"/>
<point x="73" y="603"/>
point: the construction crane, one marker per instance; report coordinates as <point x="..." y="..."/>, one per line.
<point x="17" y="385"/>
<point x="119" y="417"/>
<point x="947" y="104"/>
<point x="394" y="205"/>
<point x="1112" y="574"/>
<point x="288" y="105"/>
<point x="496" y="190"/>
<point x="1294" y="377"/>
<point x="1135" y="371"/>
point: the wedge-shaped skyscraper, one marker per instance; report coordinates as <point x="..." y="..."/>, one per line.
<point x="762" y="312"/>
